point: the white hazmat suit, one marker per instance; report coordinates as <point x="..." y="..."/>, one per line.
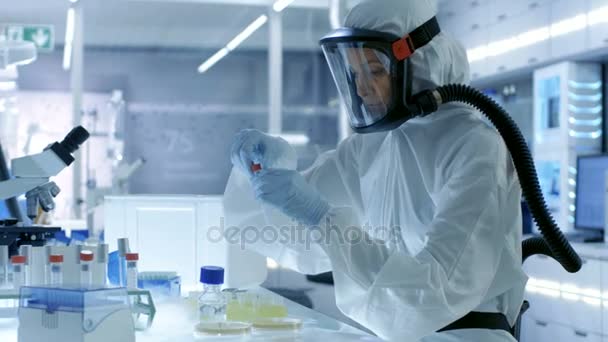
<point x="444" y="183"/>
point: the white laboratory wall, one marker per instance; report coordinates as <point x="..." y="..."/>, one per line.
<point x="481" y="22"/>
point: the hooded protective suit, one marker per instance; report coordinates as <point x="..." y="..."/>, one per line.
<point x="444" y="186"/>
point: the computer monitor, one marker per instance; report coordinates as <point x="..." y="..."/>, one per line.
<point x="590" y="192"/>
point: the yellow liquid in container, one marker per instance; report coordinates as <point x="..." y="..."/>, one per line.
<point x="236" y="311"/>
<point x="271" y="311"/>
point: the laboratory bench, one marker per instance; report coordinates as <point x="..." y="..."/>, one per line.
<point x="176" y="318"/>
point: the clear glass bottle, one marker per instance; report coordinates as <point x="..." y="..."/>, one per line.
<point x="132" y="259"/>
<point x="56" y="270"/>
<point x="19" y="271"/>
<point x="212" y="302"/>
<point x="86" y="273"/>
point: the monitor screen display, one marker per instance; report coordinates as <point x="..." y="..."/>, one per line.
<point x="591" y="192"/>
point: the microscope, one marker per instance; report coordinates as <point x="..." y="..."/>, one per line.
<point x="31" y="175"/>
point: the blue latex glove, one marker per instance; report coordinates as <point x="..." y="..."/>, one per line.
<point x="252" y="146"/>
<point x="288" y="191"/>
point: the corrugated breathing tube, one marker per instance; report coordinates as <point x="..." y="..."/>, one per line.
<point x="552" y="243"/>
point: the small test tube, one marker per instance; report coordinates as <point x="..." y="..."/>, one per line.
<point x="86" y="272"/>
<point x="132" y="259"/>
<point x="56" y="270"/>
<point x="48" y="251"/>
<point x="19" y="271"/>
<point x="26" y="251"/>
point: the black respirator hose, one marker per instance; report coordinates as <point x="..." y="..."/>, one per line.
<point x="553" y="243"/>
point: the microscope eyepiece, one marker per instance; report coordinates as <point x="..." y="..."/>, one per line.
<point x="75" y="138"/>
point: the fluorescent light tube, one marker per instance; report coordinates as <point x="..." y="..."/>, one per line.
<point x="569" y="25"/>
<point x="212" y="60"/>
<point x="248" y="31"/>
<point x="69" y="39"/>
<point x="280" y="5"/>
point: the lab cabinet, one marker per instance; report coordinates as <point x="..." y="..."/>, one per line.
<point x="564" y="306"/>
<point x="568" y="334"/>
<point x="180" y="234"/>
<point x="604" y="282"/>
<point x="477" y="16"/>
<point x="502" y="36"/>
<point x="563" y="29"/>
<point x="598" y="20"/>
<point x="531" y="21"/>
<point x="532" y="53"/>
<point x="575" y="40"/>
<point x="559" y="297"/>
<point x="540" y="331"/>
<point x="561" y="333"/>
<point x="499" y="33"/>
<point x="474" y="3"/>
<point x="478" y="38"/>
<point x="533" y="330"/>
<point x="506" y="10"/>
<point x="462" y="17"/>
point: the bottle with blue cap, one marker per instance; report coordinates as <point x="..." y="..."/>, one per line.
<point x="212" y="303"/>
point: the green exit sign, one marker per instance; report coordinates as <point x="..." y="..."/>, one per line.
<point x="43" y="36"/>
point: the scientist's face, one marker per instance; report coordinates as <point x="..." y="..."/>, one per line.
<point x="372" y="79"/>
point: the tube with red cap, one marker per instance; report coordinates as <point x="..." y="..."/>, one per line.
<point x="256" y="167"/>
<point x="86" y="274"/>
<point x="19" y="271"/>
<point x="56" y="270"/>
<point x="269" y="212"/>
<point x="132" y="259"/>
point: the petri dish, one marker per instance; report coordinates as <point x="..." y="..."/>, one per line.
<point x="223" y="328"/>
<point x="277" y="324"/>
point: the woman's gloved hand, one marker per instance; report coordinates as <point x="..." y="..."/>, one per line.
<point x="288" y="191"/>
<point x="254" y="147"/>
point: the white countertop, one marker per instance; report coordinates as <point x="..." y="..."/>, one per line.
<point x="175" y="320"/>
<point x="596" y="250"/>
